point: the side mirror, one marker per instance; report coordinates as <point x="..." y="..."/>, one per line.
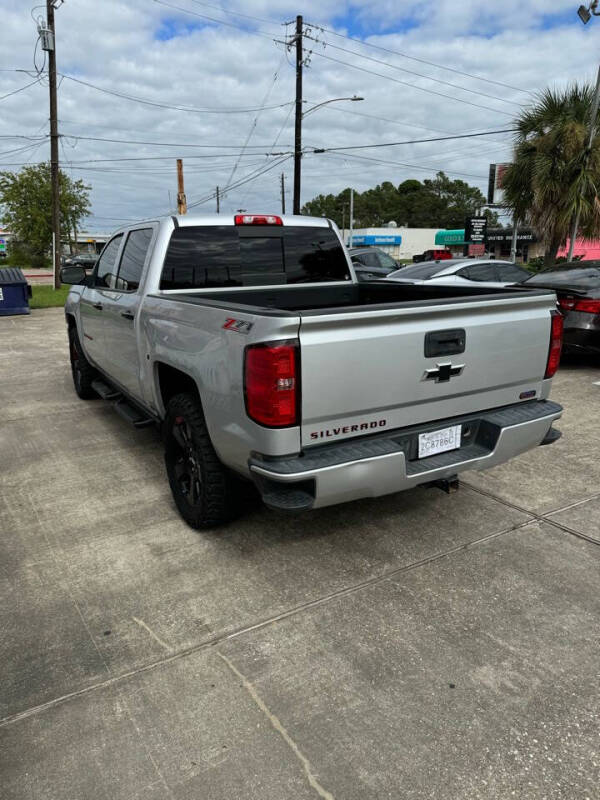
<point x="73" y="275"/>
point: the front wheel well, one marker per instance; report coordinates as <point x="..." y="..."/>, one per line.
<point x="172" y="381"/>
<point x="71" y="321"/>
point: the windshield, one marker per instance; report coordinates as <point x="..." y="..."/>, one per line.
<point x="573" y="276"/>
<point x="419" y="272"/>
<point x="387" y="261"/>
<point x="568" y="266"/>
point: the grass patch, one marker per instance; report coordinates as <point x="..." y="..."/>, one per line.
<point x="48" y="296"/>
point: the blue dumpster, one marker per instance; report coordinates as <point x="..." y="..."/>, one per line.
<point x="14" y="292"/>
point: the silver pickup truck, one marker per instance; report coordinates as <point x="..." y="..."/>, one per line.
<point x="249" y="341"/>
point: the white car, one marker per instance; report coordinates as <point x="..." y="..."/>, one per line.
<point x="462" y="272"/>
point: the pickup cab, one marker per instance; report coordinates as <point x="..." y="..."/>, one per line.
<point x="250" y="342"/>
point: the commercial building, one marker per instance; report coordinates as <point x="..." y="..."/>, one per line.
<point x="499" y="241"/>
<point x="400" y="243"/>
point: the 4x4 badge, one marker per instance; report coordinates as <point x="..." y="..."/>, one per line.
<point x="443" y="372"/>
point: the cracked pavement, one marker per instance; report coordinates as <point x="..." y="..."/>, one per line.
<point x="417" y="645"/>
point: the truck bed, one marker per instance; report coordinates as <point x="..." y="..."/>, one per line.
<point x="329" y="299"/>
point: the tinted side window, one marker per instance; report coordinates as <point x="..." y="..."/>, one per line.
<point x="480" y="272"/>
<point x="510" y="272"/>
<point x="106" y="273"/>
<point x="132" y="260"/>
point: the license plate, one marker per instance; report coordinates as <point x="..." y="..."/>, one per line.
<point x="439" y="441"/>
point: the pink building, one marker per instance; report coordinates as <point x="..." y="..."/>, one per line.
<point x="588" y="249"/>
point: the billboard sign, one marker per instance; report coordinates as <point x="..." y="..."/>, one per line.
<point x="476" y="230"/>
<point x="496" y="177"/>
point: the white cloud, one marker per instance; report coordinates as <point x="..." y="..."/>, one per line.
<point x="143" y="48"/>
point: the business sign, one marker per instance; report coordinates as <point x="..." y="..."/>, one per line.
<point x="377" y="239"/>
<point x="504" y="235"/>
<point x="476" y="230"/>
<point x="2" y="245"/>
<point x="495" y="184"/>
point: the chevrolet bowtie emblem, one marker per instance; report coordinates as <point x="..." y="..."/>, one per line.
<point x="443" y="372"/>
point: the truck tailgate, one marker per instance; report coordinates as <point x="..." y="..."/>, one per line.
<point x="366" y="370"/>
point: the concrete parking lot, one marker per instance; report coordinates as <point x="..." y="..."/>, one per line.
<point x="413" y="646"/>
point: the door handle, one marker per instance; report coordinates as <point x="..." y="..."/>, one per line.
<point x="128" y="315"/>
<point x="98" y="306"/>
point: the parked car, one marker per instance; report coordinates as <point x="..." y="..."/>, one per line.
<point x="439" y="254"/>
<point x="577" y="287"/>
<point x="249" y="341"/>
<point x="85" y="260"/>
<point x="463" y="272"/>
<point x="371" y="263"/>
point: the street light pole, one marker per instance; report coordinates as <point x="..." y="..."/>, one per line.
<point x="586" y="156"/>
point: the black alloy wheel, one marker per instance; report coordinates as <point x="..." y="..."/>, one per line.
<point x="81" y="369"/>
<point x="202" y="488"/>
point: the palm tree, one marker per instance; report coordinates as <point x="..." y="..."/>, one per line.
<point x="553" y="175"/>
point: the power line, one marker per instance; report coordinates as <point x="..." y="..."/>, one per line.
<point x="158" y="104"/>
<point x="422" y="60"/>
<point x="385" y="119"/>
<point x="410" y="166"/>
<point x="243" y="180"/>
<point x="264" y="34"/>
<point x="411" y="141"/>
<point x="411" y="72"/>
<point x="235" y="13"/>
<point x="162" y="144"/>
<point x="253" y="127"/>
<point x="20" y="89"/>
<point x="410" y="85"/>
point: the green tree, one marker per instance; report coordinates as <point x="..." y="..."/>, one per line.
<point x="552" y="175"/>
<point x="25" y="199"/>
<point x="436" y="203"/>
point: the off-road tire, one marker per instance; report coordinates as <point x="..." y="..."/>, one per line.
<point x="203" y="489"/>
<point x="81" y="369"/>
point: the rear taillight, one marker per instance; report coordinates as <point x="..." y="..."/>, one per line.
<point x="590" y="306"/>
<point x="257" y="219"/>
<point x="556" y="333"/>
<point x="272" y="383"/>
<point x="574" y="304"/>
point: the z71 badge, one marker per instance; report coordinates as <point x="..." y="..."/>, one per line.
<point x="238" y="325"/>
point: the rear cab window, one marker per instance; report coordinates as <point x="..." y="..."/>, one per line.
<point x="216" y="256"/>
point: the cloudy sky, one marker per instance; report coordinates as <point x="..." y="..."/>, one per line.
<point x="212" y="83"/>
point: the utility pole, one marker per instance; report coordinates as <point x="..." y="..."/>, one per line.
<point x="513" y="244"/>
<point x="181" y="201"/>
<point x="351" y="217"/>
<point x="218" y="202"/>
<point x="298" y="127"/>
<point x="49" y="44"/>
<point x="283" y="193"/>
<point x="585" y="161"/>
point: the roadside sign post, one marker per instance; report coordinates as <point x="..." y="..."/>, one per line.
<point x="476" y="230"/>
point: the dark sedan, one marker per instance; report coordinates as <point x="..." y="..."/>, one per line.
<point x="577" y="287"/>
<point x="371" y="263"/>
